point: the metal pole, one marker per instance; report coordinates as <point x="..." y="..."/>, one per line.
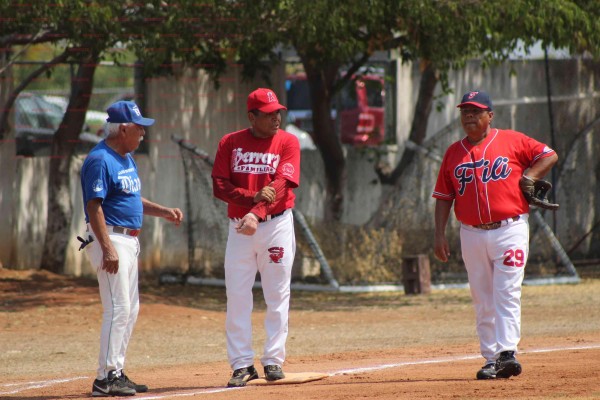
<point x="566" y="261"/>
<point x="552" y="135"/>
<point x="312" y="242"/>
<point x="188" y="206"/>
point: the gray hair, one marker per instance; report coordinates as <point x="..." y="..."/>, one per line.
<point x="112" y="128"/>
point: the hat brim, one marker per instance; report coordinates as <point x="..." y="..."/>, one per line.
<point x="141" y="121"/>
<point x="271" y="107"/>
<point x="472" y="103"/>
<point x="144" y="121"/>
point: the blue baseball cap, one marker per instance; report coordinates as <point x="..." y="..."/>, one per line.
<point x="476" y="98"/>
<point x="127" y="111"/>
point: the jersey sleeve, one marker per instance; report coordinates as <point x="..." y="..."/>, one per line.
<point x="95" y="180"/>
<point x="289" y="166"/>
<point x="533" y="150"/>
<point x="223" y="189"/>
<point x="282" y="187"/>
<point x="444" y="190"/>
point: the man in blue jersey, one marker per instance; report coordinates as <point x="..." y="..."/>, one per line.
<point x="114" y="209"/>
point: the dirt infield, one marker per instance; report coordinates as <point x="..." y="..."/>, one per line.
<point x="371" y="346"/>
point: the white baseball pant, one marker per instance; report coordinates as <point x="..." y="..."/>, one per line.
<point x="244" y="257"/>
<point x="495" y="261"/>
<point x="119" y="294"/>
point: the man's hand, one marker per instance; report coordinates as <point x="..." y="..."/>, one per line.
<point x="441" y="248"/>
<point x="247" y="225"/>
<point x="110" y="260"/>
<point x="267" y="194"/>
<point x="174" y="215"/>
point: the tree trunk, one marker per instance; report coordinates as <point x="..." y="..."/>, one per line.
<point x="321" y="80"/>
<point x="59" y="187"/>
<point x="418" y="130"/>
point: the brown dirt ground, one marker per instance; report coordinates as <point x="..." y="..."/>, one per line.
<point x="420" y="347"/>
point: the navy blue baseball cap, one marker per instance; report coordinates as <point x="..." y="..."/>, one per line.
<point x="127" y="111"/>
<point x="476" y="98"/>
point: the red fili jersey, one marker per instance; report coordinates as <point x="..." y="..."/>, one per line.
<point x="483" y="180"/>
<point x="251" y="163"/>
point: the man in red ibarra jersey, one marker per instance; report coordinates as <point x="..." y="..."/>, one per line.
<point x="480" y="175"/>
<point x="254" y="172"/>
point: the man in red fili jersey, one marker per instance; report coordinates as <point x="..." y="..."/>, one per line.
<point x="480" y="177"/>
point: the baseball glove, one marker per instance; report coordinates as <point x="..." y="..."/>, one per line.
<point x="535" y="192"/>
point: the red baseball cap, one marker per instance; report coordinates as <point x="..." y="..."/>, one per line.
<point x="264" y="100"/>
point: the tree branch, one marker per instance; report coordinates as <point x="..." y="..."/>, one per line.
<point x="350" y="72"/>
<point x="15" y="93"/>
<point x="418" y="130"/>
<point x="27" y="45"/>
<point x="22" y="39"/>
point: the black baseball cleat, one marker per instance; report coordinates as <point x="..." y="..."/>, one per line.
<point x="112" y="385"/>
<point x="273" y="373"/>
<point x="129" y="383"/>
<point x="488" y="371"/>
<point x="242" y="375"/>
<point x="507" y="365"/>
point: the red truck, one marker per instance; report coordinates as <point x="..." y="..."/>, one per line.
<point x="360" y="106"/>
<point x="361" y="109"/>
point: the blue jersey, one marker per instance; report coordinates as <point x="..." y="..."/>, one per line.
<point x="109" y="176"/>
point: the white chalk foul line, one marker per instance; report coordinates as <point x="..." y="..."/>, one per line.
<point x="36" y="385"/>
<point x="41" y="384"/>
<point x="401" y="364"/>
<point x="448" y="359"/>
<point x="551" y="349"/>
<point x="196" y="393"/>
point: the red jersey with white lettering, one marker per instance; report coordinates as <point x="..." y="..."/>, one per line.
<point x="483" y="180"/>
<point x="244" y="164"/>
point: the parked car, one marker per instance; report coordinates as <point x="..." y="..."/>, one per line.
<point x="360" y="106"/>
<point x="304" y="138"/>
<point x="37" y="119"/>
<point x="94" y="120"/>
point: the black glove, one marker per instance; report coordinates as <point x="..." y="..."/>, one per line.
<point x="84" y="242"/>
<point x="535" y="192"/>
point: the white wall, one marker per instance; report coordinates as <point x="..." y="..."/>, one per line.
<point x="190" y="106"/>
<point x="520" y="102"/>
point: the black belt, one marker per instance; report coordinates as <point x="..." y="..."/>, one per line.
<point x="494" y="225"/>
<point x="271" y="216"/>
